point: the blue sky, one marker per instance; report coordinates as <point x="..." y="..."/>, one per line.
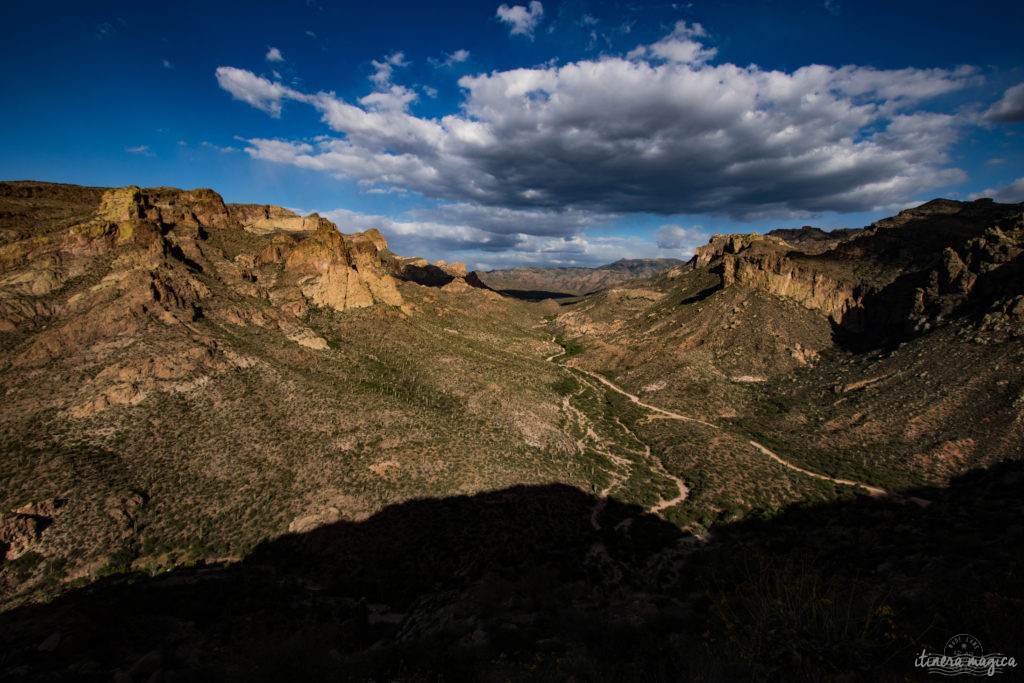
<point x="561" y="133"/>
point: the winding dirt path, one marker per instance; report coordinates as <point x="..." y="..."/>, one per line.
<point x="622" y="465"/>
<point x="873" y="490"/>
<point x="668" y="414"/>
<point x="635" y="399"/>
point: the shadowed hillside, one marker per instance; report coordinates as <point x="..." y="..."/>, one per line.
<point x="519" y="584"/>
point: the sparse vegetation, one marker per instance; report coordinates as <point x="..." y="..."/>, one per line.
<point x="284" y="480"/>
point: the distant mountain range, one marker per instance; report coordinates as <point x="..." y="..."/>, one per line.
<point x="574" y="281"/>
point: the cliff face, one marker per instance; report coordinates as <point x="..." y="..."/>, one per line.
<point x="124" y="264"/>
<point x="896" y="277"/>
<point x="774" y="273"/>
<point x="263" y="251"/>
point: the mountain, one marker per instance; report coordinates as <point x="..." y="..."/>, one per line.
<point x="891" y="353"/>
<point x="540" y="282"/>
<point x="183" y="378"/>
<point x="237" y="444"/>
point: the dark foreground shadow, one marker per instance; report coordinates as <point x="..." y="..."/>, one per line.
<point x="517" y="584"/>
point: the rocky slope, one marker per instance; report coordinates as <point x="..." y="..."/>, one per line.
<point x="878" y="352"/>
<point x="894" y="278"/>
<point x="168" y="362"/>
<point x="573" y="281"/>
<point x="237" y="444"/>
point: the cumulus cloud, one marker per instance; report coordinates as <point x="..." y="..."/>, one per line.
<point x="1010" y="109"/>
<point x="1011" y="194"/>
<point x="521" y="21"/>
<point x="383" y="70"/>
<point x="274" y="55"/>
<point x="504" y="221"/>
<point x="677" y="237"/>
<point x="256" y="90"/>
<point x="490" y="241"/>
<point x="416" y="236"/>
<point x="680" y="46"/>
<point x="394" y="97"/>
<point x="660" y="131"/>
<point x="578" y="250"/>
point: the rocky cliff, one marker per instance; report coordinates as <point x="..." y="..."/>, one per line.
<point x="130" y="263"/>
<point x="896" y="277"/>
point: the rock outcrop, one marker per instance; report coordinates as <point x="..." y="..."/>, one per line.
<point x="103" y="270"/>
<point x="264" y="220"/>
<point x="720" y="245"/>
<point x="898" y="276"/>
<point x="342" y="271"/>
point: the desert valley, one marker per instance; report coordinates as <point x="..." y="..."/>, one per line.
<point x="238" y="443"/>
<point x="582" y="341"/>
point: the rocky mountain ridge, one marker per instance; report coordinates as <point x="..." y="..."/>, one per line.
<point x="573" y="280"/>
<point x="893" y="278"/>
<point x="156" y="257"/>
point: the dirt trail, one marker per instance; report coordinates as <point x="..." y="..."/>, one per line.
<point x="635" y="399"/>
<point x="622" y="466"/>
<point x="668" y="414"/>
<point x="873" y="490"/>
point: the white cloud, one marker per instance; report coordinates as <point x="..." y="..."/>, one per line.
<point x="1010" y="109"/>
<point x="521" y="21"/>
<point x="503" y="221"/>
<point x="456" y="57"/>
<point x="256" y="90"/>
<point x="274" y="55"/>
<point x="673" y="236"/>
<point x="1011" y="194"/>
<point x="680" y="46"/>
<point x="141" y="150"/>
<point x="395" y="97"/>
<point x="383" y="70"/>
<point x="579" y="250"/>
<point x="662" y="132"/>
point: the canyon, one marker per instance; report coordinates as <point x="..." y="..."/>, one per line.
<point x="261" y="446"/>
